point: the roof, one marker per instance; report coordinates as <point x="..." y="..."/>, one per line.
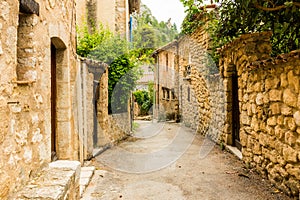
<point x="164" y="48"/>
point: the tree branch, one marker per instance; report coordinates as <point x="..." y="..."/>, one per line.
<point x="269" y="9"/>
<point x="275" y="8"/>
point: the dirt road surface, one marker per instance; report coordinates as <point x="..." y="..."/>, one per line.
<point x="164" y="161"/>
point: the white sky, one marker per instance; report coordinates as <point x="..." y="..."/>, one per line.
<point x="162" y="10"/>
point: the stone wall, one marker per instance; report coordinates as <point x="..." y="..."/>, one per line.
<point x="114" y="127"/>
<point x="241" y="52"/>
<point x="119" y="127"/>
<point x="201" y="89"/>
<point x="122" y="18"/>
<point x="269" y="108"/>
<point x="270" y="119"/>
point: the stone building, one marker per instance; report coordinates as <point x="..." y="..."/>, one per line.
<point x="147" y="77"/>
<point x="38" y="72"/>
<point x="114" y="14"/>
<point x="251" y="104"/>
<point x="166" y="82"/>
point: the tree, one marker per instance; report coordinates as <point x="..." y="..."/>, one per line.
<point x="248" y="16"/>
<point x="144" y="98"/>
<point x="103" y="46"/>
<point x="150" y="31"/>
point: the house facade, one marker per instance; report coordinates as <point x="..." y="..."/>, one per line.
<point x="38" y="70"/>
<point x="113" y="14"/>
<point x="166" y="82"/>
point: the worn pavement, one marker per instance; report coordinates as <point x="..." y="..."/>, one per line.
<point x="168" y="162"/>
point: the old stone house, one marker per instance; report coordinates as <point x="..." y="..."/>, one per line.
<point x="166" y="82"/>
<point x="147" y="77"/>
<point x="251" y="104"/>
<point x="114" y="14"/>
<point x="38" y="72"/>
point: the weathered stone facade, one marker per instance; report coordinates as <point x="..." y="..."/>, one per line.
<point x="166" y="82"/>
<point x="113" y="14"/>
<point x="269" y="108"/>
<point x="98" y="128"/>
<point x="200" y="107"/>
<point x="251" y="103"/>
<point x="38" y="70"/>
<point x="241" y="53"/>
<point x="194" y="96"/>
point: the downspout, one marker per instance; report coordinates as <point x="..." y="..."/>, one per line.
<point x="130" y="29"/>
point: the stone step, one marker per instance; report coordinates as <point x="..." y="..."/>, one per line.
<point x="59" y="181"/>
<point x="85" y="178"/>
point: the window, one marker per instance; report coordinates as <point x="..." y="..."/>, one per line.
<point x="173" y="94"/>
<point x="168" y="94"/>
<point x="167" y="61"/>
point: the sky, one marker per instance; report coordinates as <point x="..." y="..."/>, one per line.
<point x="163" y="10"/>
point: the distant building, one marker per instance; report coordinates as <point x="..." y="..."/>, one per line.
<point x="148" y="77"/>
<point x="166" y="82"/>
<point x="114" y="14"/>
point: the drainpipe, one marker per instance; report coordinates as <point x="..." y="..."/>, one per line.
<point x="130" y="29"/>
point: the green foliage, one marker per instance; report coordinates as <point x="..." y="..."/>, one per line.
<point x="103" y="46"/>
<point x="123" y="75"/>
<point x="151" y="34"/>
<point x="280" y="16"/>
<point x="248" y="16"/>
<point x="145" y="98"/>
<point x="88" y="40"/>
<point x="110" y="49"/>
<point x="191" y="21"/>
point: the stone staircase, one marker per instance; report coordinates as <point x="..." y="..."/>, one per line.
<point x="62" y="180"/>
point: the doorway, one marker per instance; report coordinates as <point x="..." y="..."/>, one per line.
<point x="235" y="112"/>
<point x="53" y="103"/>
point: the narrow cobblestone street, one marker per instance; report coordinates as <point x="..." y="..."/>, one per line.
<point x="143" y="168"/>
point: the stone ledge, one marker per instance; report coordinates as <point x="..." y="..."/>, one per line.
<point x="235" y="151"/>
<point x="59" y="181"/>
<point x="85" y="178"/>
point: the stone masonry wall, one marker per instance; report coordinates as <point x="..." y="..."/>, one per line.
<point x="241" y="52"/>
<point x="270" y="120"/>
<point x="201" y="90"/>
<point x="25" y="89"/>
<point x="268" y="94"/>
<point x="122" y="18"/>
<point x="111" y="128"/>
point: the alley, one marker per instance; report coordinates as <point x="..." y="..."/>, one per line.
<point x="166" y="161"/>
